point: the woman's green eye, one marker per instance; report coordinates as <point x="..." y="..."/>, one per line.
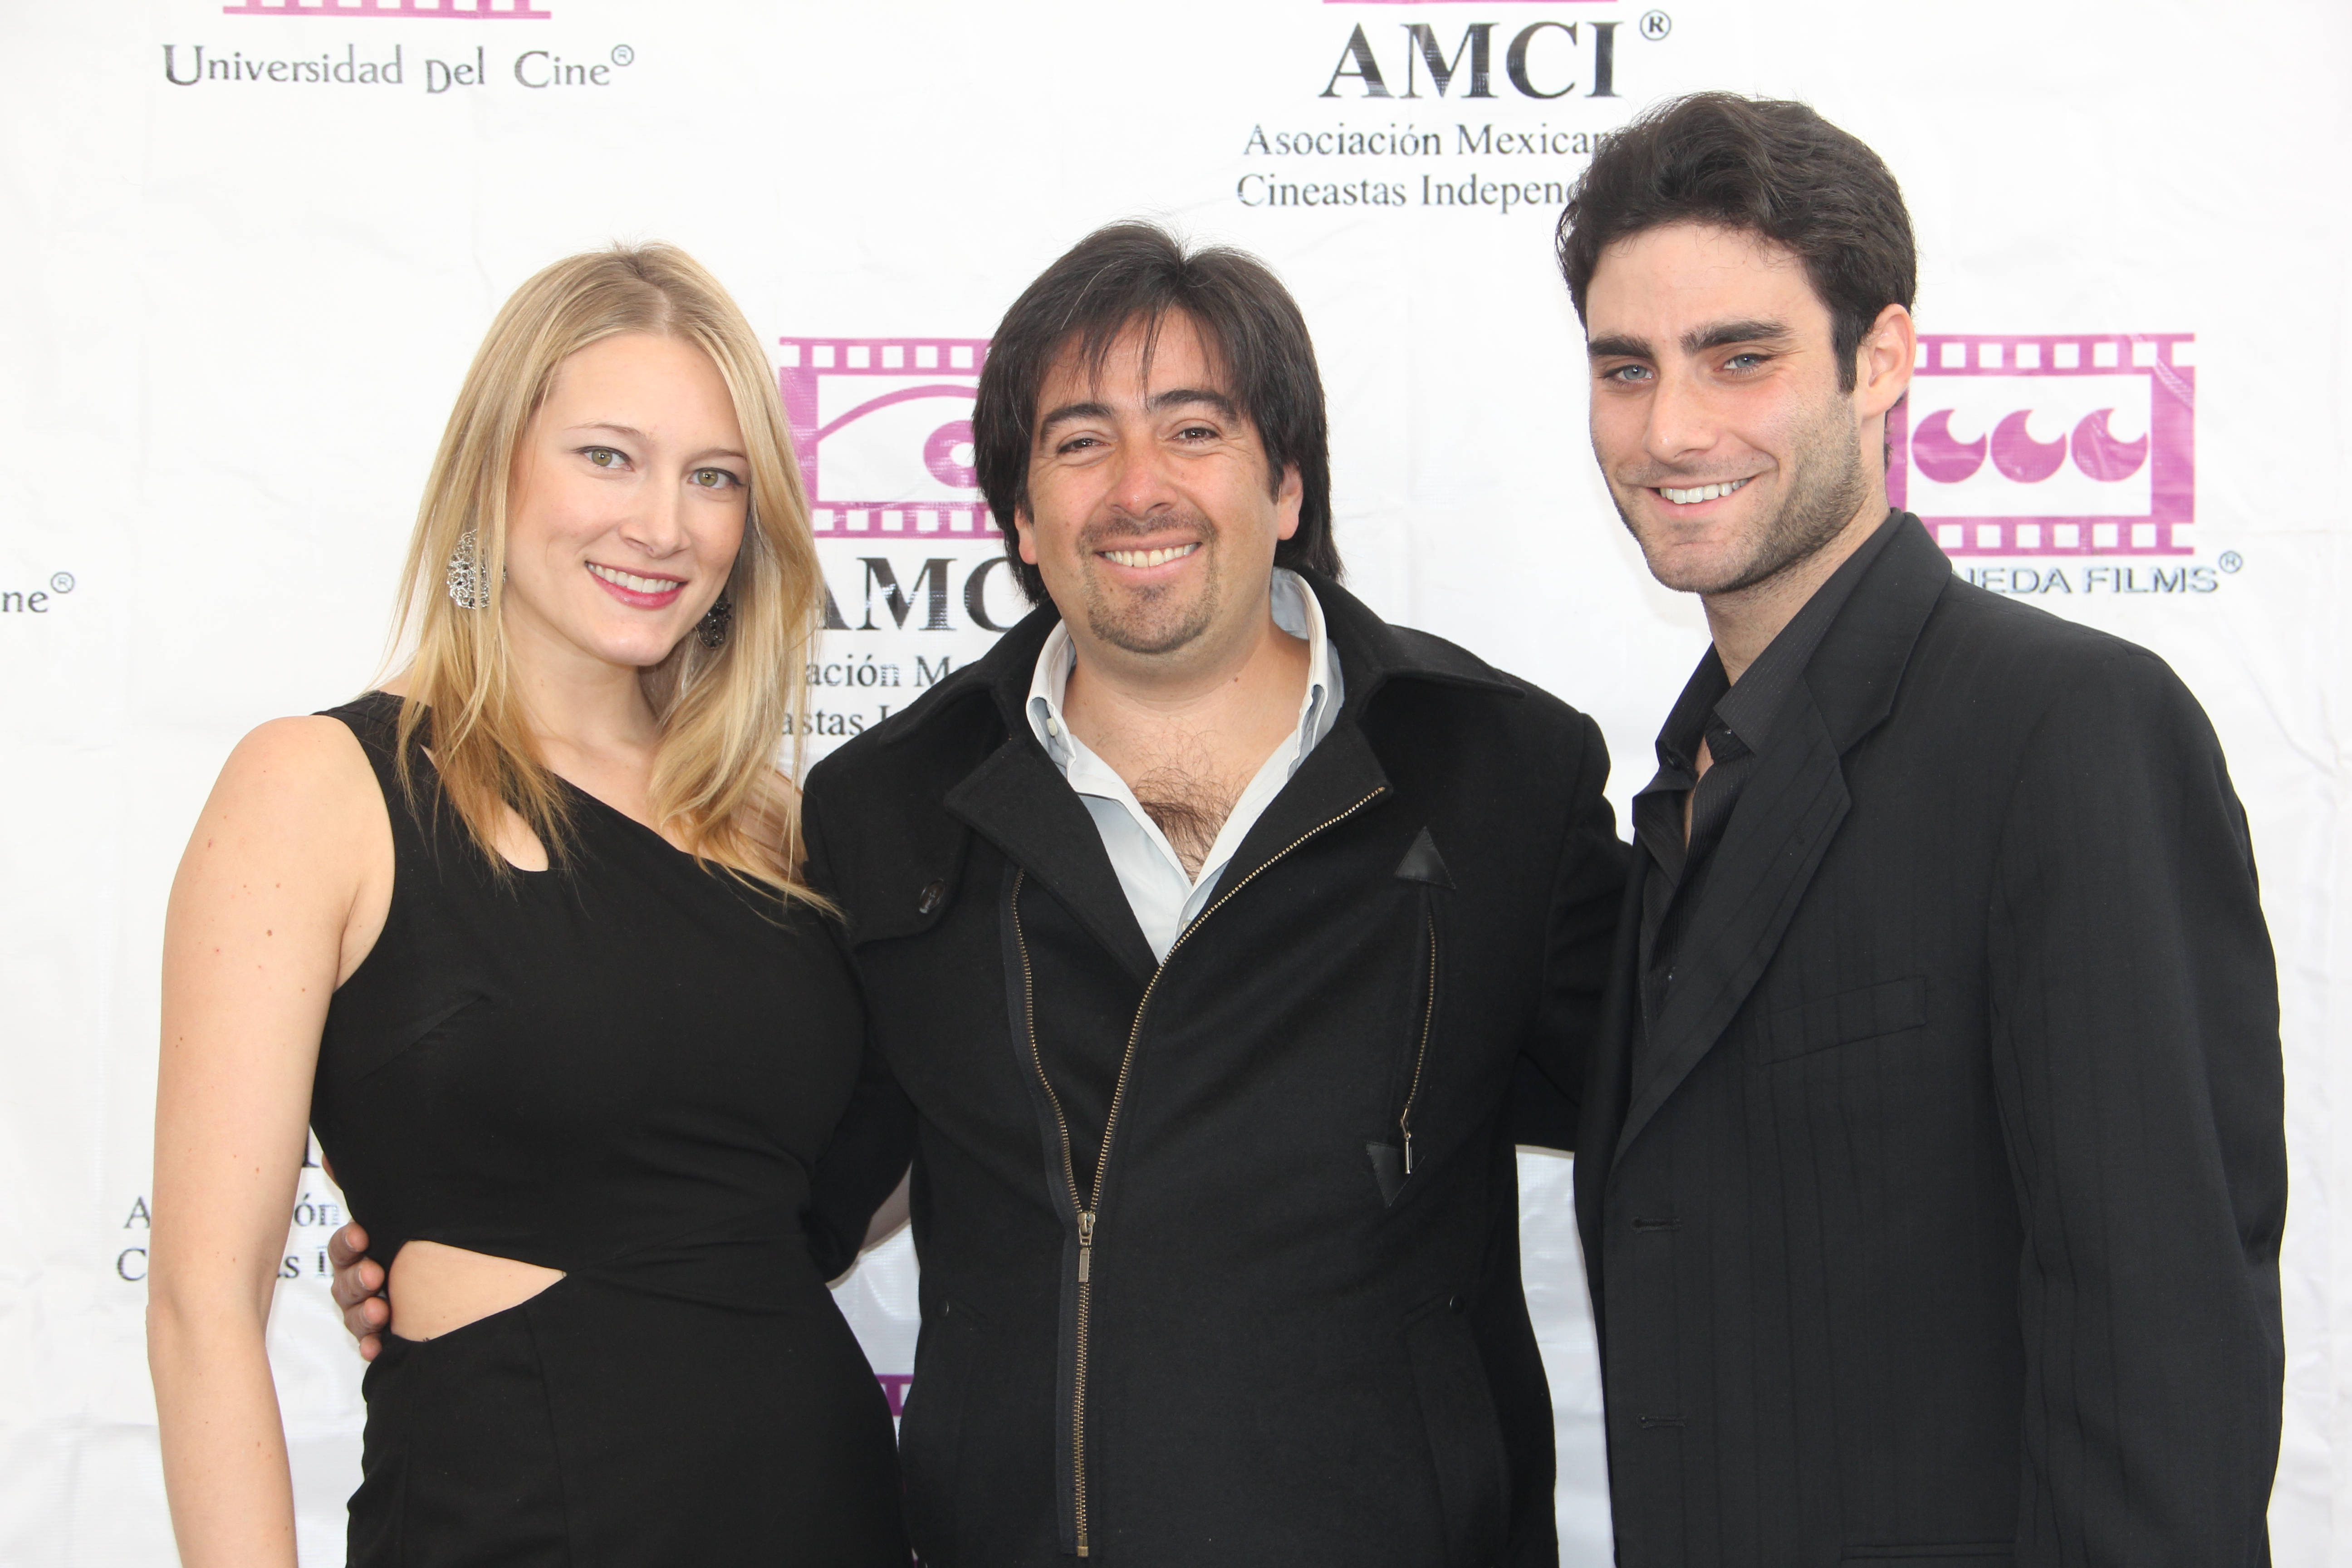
<point x="713" y="478"/>
<point x="603" y="457"/>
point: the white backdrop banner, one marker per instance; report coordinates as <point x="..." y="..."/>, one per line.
<point x="253" y="244"/>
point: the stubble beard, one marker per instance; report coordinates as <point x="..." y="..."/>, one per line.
<point x="1826" y="487"/>
<point x="1148" y="621"/>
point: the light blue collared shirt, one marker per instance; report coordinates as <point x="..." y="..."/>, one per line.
<point x="1164" y="897"/>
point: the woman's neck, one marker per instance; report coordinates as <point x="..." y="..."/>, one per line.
<point x="578" y="702"/>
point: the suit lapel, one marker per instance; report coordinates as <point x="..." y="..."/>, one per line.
<point x="1787" y="816"/>
<point x="1784" y="821"/>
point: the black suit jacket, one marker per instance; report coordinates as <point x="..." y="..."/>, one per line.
<point x="1942" y="1218"/>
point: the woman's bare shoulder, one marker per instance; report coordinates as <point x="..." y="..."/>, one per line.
<point x="303" y="753"/>
<point x="297" y="778"/>
<point x="295" y="838"/>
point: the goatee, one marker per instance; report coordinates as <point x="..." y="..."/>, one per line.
<point x="1149" y="620"/>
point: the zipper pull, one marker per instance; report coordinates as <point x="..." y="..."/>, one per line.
<point x="1405" y="1126"/>
<point x="1085" y="1245"/>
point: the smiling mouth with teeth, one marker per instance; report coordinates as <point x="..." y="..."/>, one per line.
<point x="1704" y="492"/>
<point x="635" y="583"/>
<point x="1151" y="557"/>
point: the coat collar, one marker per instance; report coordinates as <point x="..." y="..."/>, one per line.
<point x="1019" y="801"/>
<point x="1365" y="643"/>
<point x="1853" y="674"/>
<point x="1788" y="811"/>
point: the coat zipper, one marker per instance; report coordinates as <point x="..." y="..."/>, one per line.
<point x="1420" y="1056"/>
<point x="1086" y="1224"/>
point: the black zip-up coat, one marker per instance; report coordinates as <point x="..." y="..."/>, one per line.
<point x="1220" y="1256"/>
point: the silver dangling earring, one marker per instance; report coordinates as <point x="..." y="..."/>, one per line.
<point x="711" y="630"/>
<point x="470" y="587"/>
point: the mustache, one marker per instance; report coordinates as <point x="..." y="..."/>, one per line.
<point x="1118" y="527"/>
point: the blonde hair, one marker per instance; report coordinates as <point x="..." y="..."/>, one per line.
<point x="724" y="712"/>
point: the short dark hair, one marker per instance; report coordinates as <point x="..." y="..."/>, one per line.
<point x="1764" y="166"/>
<point x="1126" y="273"/>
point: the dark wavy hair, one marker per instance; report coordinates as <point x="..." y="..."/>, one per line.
<point x="1764" y="166"/>
<point x="1127" y="273"/>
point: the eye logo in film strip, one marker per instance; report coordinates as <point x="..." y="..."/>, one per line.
<point x="2072" y="443"/>
<point x="883" y="430"/>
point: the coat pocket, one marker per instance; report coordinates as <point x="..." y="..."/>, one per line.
<point x="1465" y="1435"/>
<point x="1393" y="1156"/>
<point x="931" y="1427"/>
<point x="1846" y="1018"/>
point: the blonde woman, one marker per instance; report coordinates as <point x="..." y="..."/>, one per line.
<point x="520" y="935"/>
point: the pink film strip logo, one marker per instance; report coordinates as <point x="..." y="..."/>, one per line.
<point x="2069" y="444"/>
<point x="883" y="430"/>
<point x="447" y="10"/>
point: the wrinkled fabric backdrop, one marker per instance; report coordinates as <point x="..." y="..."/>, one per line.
<point x="251" y="246"/>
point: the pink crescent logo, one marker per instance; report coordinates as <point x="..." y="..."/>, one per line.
<point x="2015" y="449"/>
<point x="2018" y="456"/>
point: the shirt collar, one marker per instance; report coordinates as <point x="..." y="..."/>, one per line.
<point x="1749" y="706"/>
<point x="1296" y="611"/>
<point x="1677" y="744"/>
<point x="1756" y="699"/>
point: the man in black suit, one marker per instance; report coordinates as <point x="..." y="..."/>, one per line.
<point x="1932" y="1168"/>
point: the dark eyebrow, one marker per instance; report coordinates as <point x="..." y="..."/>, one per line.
<point x="1617" y="347"/>
<point x="1723" y="334"/>
<point x="1070" y="411"/>
<point x="1176" y="397"/>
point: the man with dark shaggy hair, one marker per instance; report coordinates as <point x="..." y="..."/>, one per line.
<point x="1204" y="925"/>
<point x="1931" y="1168"/>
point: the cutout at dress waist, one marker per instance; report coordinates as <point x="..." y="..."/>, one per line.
<point x="435" y="1289"/>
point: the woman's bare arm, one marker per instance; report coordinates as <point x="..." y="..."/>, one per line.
<point x="281" y="892"/>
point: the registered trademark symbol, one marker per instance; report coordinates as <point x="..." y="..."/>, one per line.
<point x="623" y="54"/>
<point x="2230" y="561"/>
<point x="1656" y="25"/>
<point x="63" y="581"/>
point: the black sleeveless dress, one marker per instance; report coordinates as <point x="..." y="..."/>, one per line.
<point x="624" y="1070"/>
